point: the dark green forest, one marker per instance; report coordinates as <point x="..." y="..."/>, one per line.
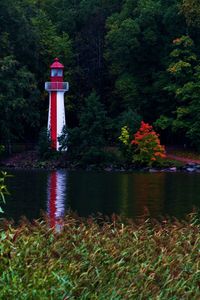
<point x="125" y="60"/>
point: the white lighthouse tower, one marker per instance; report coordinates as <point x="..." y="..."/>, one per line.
<point x="56" y="88"/>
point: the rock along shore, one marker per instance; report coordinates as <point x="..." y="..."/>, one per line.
<point x="30" y="160"/>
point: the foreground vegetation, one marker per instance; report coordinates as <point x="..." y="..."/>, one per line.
<point x="3" y="189"/>
<point x="92" y="259"/>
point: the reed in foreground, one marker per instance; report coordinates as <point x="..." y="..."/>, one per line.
<point x="92" y="259"/>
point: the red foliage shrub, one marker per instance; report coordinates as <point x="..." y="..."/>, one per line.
<point x="148" y="147"/>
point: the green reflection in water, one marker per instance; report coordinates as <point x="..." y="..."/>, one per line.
<point x="88" y="193"/>
<point x="134" y="194"/>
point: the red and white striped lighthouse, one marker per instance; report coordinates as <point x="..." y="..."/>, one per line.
<point x="56" y="88"/>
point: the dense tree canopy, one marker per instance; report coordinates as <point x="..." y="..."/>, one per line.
<point x="140" y="56"/>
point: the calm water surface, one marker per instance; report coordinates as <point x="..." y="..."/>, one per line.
<point x="33" y="191"/>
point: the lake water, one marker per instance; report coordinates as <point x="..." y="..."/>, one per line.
<point x="127" y="194"/>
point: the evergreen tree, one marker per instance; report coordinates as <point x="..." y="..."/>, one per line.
<point x="184" y="85"/>
<point x="88" y="139"/>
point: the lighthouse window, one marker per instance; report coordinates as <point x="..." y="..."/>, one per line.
<point x="56" y="72"/>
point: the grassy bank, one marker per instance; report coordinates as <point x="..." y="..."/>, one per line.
<point x="101" y="260"/>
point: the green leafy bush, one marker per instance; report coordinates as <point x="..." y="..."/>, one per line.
<point x="125" y="144"/>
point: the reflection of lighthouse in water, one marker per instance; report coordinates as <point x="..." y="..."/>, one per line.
<point x="56" y="197"/>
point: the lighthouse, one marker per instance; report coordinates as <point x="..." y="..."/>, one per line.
<point x="56" y="89"/>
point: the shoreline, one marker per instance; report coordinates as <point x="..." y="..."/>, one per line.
<point x="29" y="160"/>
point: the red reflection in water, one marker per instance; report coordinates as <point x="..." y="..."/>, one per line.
<point x="149" y="194"/>
<point x="56" y="198"/>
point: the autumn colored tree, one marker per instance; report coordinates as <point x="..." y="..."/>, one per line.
<point x="148" y="148"/>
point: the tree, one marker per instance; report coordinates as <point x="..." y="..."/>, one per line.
<point x="118" y="48"/>
<point x="137" y="43"/>
<point x="128" y="118"/>
<point x="29" y="42"/>
<point x="19" y="100"/>
<point x="184" y="88"/>
<point x="89" y="138"/>
<point x="148" y="148"/>
<point x="191" y="11"/>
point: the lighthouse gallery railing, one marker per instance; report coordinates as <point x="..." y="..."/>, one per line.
<point x="56" y="86"/>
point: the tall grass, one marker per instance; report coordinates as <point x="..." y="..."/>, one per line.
<point x="3" y="188"/>
<point x="102" y="260"/>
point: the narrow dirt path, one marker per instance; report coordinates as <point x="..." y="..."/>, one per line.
<point x="183" y="159"/>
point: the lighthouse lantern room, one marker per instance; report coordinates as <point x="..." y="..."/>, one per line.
<point x="56" y="88"/>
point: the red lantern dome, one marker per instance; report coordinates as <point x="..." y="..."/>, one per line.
<point x="56" y="71"/>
